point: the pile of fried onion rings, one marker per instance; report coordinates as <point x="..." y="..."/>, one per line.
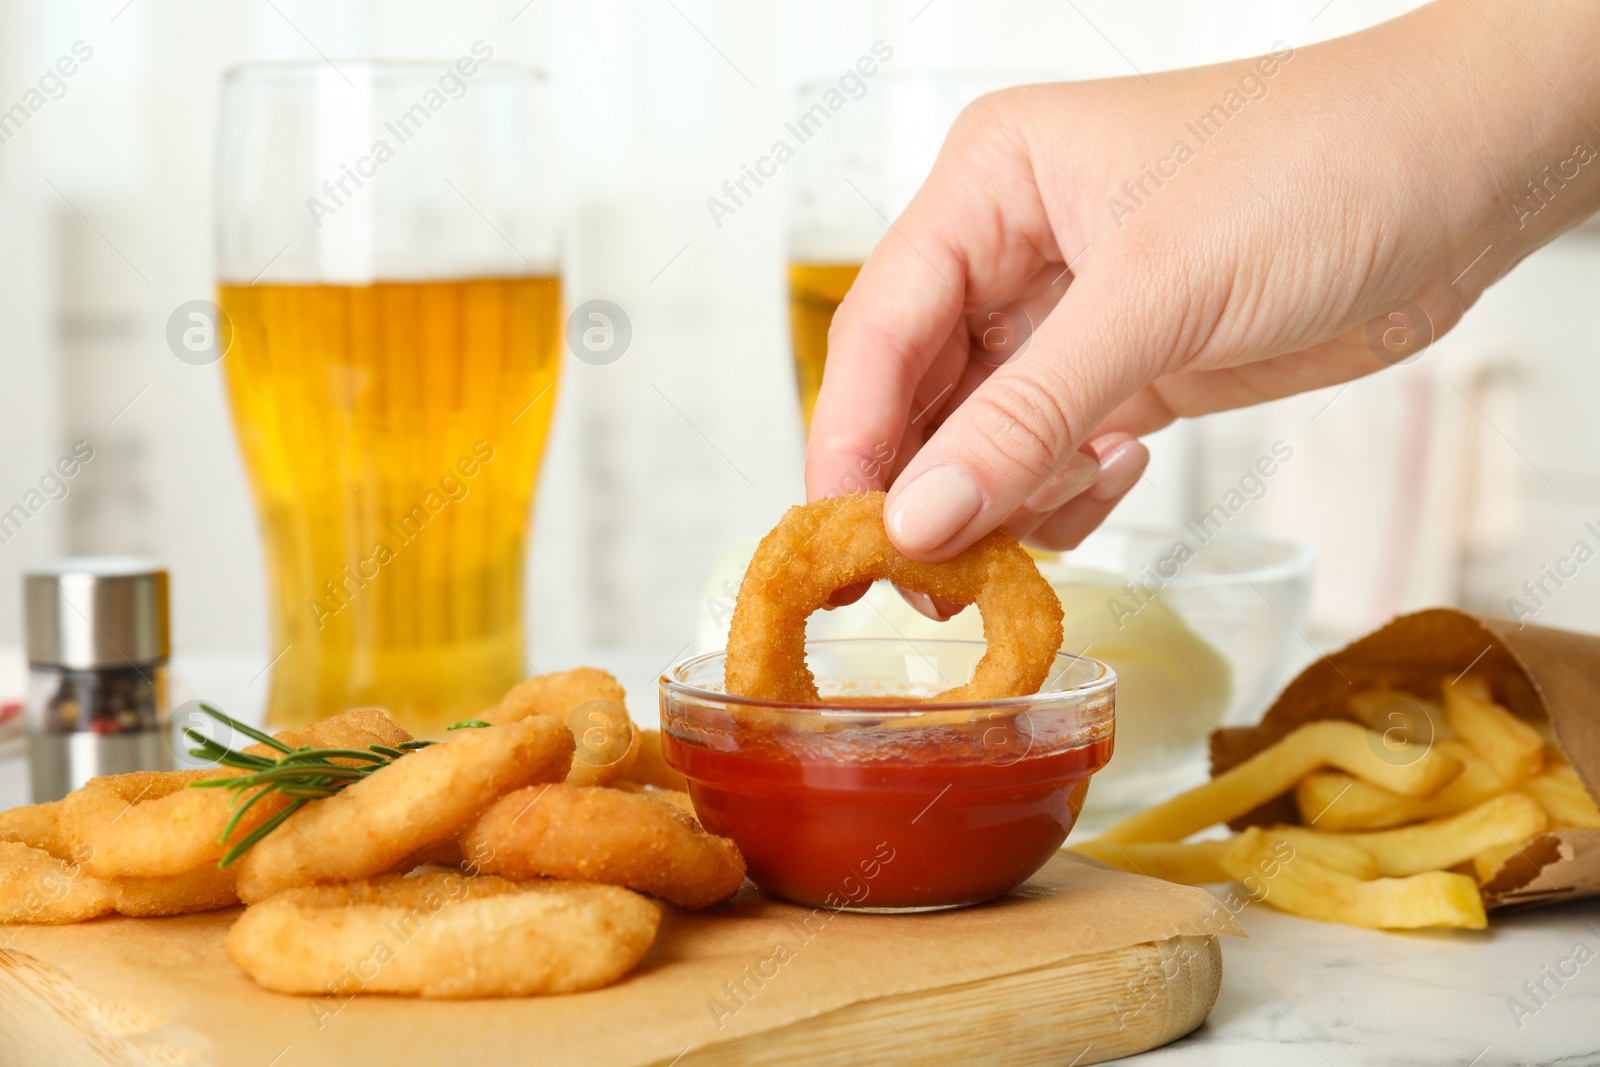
<point x="452" y="858"/>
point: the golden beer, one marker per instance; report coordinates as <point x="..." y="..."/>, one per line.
<point x="815" y="290"/>
<point x="393" y="434"/>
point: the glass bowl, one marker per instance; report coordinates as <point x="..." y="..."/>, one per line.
<point x="1203" y="628"/>
<point x="871" y="801"/>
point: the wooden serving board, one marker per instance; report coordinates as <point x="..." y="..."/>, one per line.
<point x="1058" y="973"/>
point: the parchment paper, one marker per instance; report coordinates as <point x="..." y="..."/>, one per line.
<point x="695" y="988"/>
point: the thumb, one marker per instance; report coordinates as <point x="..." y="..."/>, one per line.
<point x="1016" y="429"/>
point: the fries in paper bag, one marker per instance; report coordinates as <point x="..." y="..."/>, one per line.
<point x="1439" y="768"/>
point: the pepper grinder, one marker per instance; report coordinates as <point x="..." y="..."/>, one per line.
<point x="97" y="647"/>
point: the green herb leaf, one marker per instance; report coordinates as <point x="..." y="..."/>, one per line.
<point x="302" y="774"/>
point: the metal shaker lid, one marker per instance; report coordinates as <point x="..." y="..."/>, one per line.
<point x="96" y="611"/>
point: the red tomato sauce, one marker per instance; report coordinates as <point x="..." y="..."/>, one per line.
<point x="935" y="821"/>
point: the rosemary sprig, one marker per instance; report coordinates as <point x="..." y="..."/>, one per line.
<point x="301" y="774"/>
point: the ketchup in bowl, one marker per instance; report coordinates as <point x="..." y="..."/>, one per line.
<point x="873" y="801"/>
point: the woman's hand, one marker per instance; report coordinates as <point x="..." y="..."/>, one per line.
<point x="1186" y="243"/>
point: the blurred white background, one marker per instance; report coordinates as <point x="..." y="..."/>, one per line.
<point x="1449" y="481"/>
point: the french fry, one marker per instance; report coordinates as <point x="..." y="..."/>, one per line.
<point x="1394" y="813"/>
<point x="1443" y="843"/>
<point x="1407" y="715"/>
<point x="1560" y="792"/>
<point x="1190" y="863"/>
<point x="1331" y="800"/>
<point x="1276" y="770"/>
<point x="1334" y="851"/>
<point x="1298" y="884"/>
<point x="1511" y="747"/>
<point x="1478" y="778"/>
<point x="1334" y="801"/>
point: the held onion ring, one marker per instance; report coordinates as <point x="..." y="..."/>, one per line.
<point x="613" y="836"/>
<point x="443" y="935"/>
<point x="838" y="541"/>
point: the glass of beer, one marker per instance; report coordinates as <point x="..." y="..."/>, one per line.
<point x="856" y="169"/>
<point x="390" y="329"/>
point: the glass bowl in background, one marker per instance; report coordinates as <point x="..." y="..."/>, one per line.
<point x="871" y="801"/>
<point x="1202" y="632"/>
<point x="1206" y="640"/>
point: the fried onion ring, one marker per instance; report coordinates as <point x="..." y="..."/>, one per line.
<point x="678" y="798"/>
<point x="651" y="767"/>
<point x="352" y="729"/>
<point x="610" y="836"/>
<point x="444" y="935"/>
<point x="149" y="825"/>
<point x="38" y="826"/>
<point x="418" y="800"/>
<point x="594" y="707"/>
<point x="202" y="889"/>
<point x="36" y="887"/>
<point x="446" y="853"/>
<point x="838" y="541"/>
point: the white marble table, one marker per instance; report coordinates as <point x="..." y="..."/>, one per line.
<point x="1295" y="993"/>
<point x="1299" y="993"/>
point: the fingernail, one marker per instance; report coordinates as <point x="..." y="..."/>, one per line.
<point x="1119" y="471"/>
<point x="929" y="511"/>
<point x="924" y="604"/>
<point x="1079" y="474"/>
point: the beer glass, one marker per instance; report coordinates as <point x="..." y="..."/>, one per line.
<point x="387" y="258"/>
<point x="857" y="169"/>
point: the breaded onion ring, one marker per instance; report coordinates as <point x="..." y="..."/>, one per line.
<point x="417" y="800"/>
<point x="443" y="935"/>
<point x="36" y="887"/>
<point x="149" y="825"/>
<point x="678" y="798"/>
<point x="838" y="541"/>
<point x="610" y="836"/>
<point x="593" y="706"/>
<point x="202" y="889"/>
<point x="446" y="853"/>
<point x="39" y="882"/>
<point x="651" y="767"/>
<point x="38" y="826"/>
<point x="351" y="729"/>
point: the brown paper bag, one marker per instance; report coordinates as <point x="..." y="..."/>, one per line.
<point x="1541" y="674"/>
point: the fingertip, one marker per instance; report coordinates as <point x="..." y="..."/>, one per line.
<point x="846" y="595"/>
<point x="929" y="518"/>
<point x="844" y="467"/>
<point x="936" y="608"/>
<point x="1080" y="516"/>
